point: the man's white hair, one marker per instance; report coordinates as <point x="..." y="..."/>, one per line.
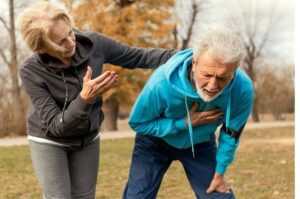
<point x="221" y="43"/>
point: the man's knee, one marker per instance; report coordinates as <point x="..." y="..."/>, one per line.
<point x="132" y="192"/>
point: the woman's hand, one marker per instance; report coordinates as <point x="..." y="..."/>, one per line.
<point x="96" y="87"/>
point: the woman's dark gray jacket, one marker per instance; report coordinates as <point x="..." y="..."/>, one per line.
<point x="58" y="112"/>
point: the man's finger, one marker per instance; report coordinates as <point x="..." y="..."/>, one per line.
<point x="211" y="112"/>
<point x="214" y="117"/>
<point x="211" y="188"/>
<point x="217" y="115"/>
<point x="223" y="189"/>
<point x="194" y="107"/>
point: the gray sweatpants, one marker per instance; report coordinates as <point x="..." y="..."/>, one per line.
<point x="65" y="172"/>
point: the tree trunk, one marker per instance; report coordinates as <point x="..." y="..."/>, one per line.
<point x="186" y="41"/>
<point x="19" y="112"/>
<point x="175" y="43"/>
<point x="255" y="114"/>
<point x="111" y="110"/>
<point x="251" y="73"/>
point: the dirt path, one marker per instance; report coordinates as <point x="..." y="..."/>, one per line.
<point x="281" y="141"/>
<point x="127" y="134"/>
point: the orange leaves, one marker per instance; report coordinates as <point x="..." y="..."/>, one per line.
<point x="144" y="23"/>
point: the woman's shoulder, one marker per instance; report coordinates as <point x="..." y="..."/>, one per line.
<point x="94" y="36"/>
<point x="32" y="68"/>
<point x="29" y="62"/>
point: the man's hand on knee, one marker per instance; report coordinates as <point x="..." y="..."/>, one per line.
<point x="218" y="184"/>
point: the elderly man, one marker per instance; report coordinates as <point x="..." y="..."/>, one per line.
<point x="178" y="111"/>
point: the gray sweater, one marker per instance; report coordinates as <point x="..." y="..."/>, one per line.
<point x="58" y="112"/>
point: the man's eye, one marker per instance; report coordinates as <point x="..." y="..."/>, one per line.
<point x="61" y="42"/>
<point x="207" y="75"/>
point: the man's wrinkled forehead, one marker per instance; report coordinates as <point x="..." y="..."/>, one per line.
<point x="208" y="64"/>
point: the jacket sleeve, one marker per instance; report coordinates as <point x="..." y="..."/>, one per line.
<point x="147" y="116"/>
<point x="132" y="57"/>
<point x="75" y="116"/>
<point x="228" y="144"/>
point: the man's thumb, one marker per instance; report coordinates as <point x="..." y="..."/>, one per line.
<point x="210" y="188"/>
<point x="88" y="74"/>
<point x="194" y="107"/>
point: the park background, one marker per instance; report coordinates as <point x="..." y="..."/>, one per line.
<point x="265" y="161"/>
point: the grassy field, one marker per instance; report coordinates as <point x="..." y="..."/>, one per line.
<point x="264" y="169"/>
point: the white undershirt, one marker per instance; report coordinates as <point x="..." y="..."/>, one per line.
<point x="47" y="141"/>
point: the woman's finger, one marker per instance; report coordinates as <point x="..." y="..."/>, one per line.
<point x="109" y="83"/>
<point x="102" y="77"/>
<point x="88" y="74"/>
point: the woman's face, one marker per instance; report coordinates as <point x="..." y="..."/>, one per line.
<point x="63" y="37"/>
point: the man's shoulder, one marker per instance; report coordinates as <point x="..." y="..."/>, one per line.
<point x="243" y="82"/>
<point x="158" y="80"/>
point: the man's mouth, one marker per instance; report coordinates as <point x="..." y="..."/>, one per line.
<point x="210" y="93"/>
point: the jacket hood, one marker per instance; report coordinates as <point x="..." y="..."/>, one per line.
<point x="177" y="70"/>
<point x="84" y="47"/>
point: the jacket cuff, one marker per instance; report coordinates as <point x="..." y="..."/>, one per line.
<point x="221" y="168"/>
<point x="81" y="105"/>
<point x="180" y="124"/>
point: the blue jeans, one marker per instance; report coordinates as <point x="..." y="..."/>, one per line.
<point x="152" y="157"/>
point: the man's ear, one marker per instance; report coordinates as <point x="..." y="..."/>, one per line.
<point x="194" y="63"/>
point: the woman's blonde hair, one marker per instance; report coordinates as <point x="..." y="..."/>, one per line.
<point x="35" y="22"/>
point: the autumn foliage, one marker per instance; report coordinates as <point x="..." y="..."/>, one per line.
<point x="143" y="23"/>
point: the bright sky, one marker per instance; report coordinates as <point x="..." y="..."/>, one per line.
<point x="220" y="12"/>
<point x="284" y="7"/>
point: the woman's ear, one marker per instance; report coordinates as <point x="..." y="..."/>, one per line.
<point x="41" y="51"/>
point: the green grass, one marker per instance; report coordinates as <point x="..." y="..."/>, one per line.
<point x="262" y="170"/>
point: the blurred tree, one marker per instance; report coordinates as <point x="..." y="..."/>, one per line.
<point x="260" y="28"/>
<point x="137" y="23"/>
<point x="9" y="57"/>
<point x="187" y="18"/>
<point x="276" y="90"/>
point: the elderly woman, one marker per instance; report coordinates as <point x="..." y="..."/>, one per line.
<point x="65" y="82"/>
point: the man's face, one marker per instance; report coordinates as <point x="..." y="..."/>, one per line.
<point x="211" y="75"/>
<point x="62" y="35"/>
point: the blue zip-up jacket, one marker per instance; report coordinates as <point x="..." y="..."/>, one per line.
<point x="163" y="106"/>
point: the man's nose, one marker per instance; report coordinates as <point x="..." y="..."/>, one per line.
<point x="212" y="84"/>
